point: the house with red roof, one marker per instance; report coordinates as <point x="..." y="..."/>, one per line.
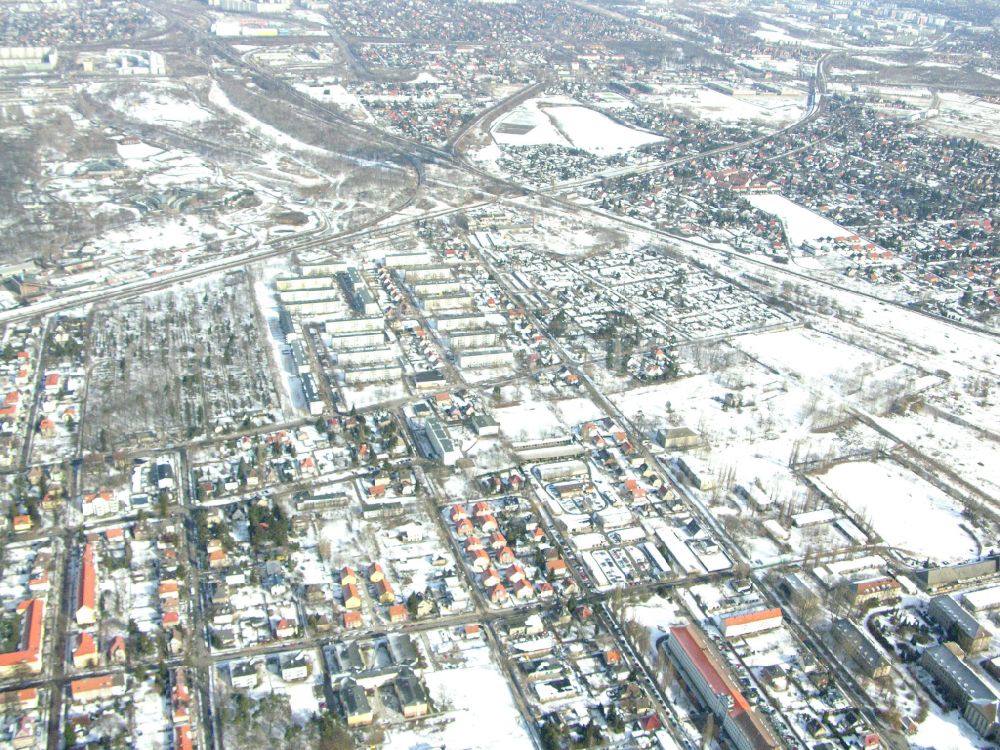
<point x="85" y="655"/>
<point x="28" y="655"/>
<point x="352" y="620"/>
<point x="706" y="673"/>
<point x="86" y="592"/>
<point x="90" y="689"/>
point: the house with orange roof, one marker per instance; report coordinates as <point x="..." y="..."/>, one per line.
<point x="28" y="655"/>
<point x="556" y="568"/>
<point x="490" y="577"/>
<point x="515" y="573"/>
<point x="22" y="523"/>
<point x="352" y="598"/>
<point x="88" y="689"/>
<point x="398" y="613"/>
<point x="384" y="592"/>
<point x="25" y="699"/>
<point x="85" y="654"/>
<point x="285" y="628"/>
<point x="489" y="523"/>
<point x="86" y="593"/>
<point x="352" y="620"/>
<point x="115" y="535"/>
<point x="40" y="583"/>
<point x="473" y="543"/>
<point x="168" y="590"/>
<point x="182" y="738"/>
<point x="375" y="573"/>
<point x="471" y="631"/>
<point x="523" y="590"/>
<point x="348" y="576"/>
<point x="480" y="560"/>
<point x="498" y="594"/>
<point x="748" y="623"/>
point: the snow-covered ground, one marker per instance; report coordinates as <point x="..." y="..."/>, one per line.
<point x="800" y="223"/>
<point x="777" y="35"/>
<point x="905" y="510"/>
<point x="533" y="420"/>
<point x="714" y="105"/>
<point x="810" y="355"/>
<point x="156" y="103"/>
<point x="462" y="693"/>
<point x="564" y="122"/>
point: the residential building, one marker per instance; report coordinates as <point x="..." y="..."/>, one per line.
<point x="86" y="596"/>
<point x="860" y="648"/>
<point x="90" y="689"/>
<point x="958" y="624"/>
<point x="705" y="671"/>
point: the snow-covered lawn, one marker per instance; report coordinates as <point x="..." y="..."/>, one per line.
<point x="905" y="510"/>
<point x="800" y="223"/>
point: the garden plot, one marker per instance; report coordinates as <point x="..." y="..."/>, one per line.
<point x="181" y="363"/>
<point x="905" y="510"/>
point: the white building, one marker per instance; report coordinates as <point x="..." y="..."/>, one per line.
<point x="485" y="358"/>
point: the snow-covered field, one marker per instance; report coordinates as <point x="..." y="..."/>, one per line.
<point x="714" y="105"/>
<point x="810" y="355"/>
<point x="157" y="103"/>
<point x="777" y="35"/>
<point x="903" y="509"/>
<point x="533" y="420"/>
<point x="800" y="223"/>
<point x="462" y="693"/>
<point x="564" y="122"/>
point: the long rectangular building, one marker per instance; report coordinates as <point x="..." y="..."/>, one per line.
<point x="703" y="668"/>
<point x="860" y="648"/>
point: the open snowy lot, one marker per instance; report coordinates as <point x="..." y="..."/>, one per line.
<point x="811" y="355"/>
<point x="709" y="104"/>
<point x="563" y="122"/>
<point x="532" y="420"/>
<point x="801" y="224"/>
<point x="908" y="512"/>
<point x="460" y="691"/>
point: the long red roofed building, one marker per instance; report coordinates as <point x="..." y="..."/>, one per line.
<point x="86" y="595"/>
<point x="29" y="655"/>
<point x="703" y="668"/>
